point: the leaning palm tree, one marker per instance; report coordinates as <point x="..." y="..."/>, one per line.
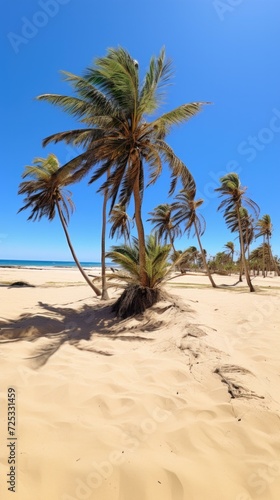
<point x="164" y="224"/>
<point x="157" y="269"/>
<point x="120" y="223"/>
<point x="264" y="226"/>
<point x="44" y="195"/>
<point x="233" y="194"/>
<point x="186" y="207"/>
<point x="113" y="108"/>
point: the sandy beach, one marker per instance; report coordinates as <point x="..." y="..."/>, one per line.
<point x="182" y="403"/>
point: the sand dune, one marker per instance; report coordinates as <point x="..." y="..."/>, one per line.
<point x="181" y="404"/>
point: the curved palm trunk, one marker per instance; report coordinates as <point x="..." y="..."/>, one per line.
<point x="242" y="249"/>
<point x="141" y="234"/>
<point x="104" y="294"/>
<point x="203" y="257"/>
<point x="94" y="288"/>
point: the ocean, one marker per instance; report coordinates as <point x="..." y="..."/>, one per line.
<point x="46" y="263"/>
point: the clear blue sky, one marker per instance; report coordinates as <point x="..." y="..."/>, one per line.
<point x="226" y="52"/>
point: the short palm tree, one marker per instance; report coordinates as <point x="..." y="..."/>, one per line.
<point x="113" y="108"/>
<point x="233" y="194"/>
<point x="164" y="224"/>
<point x="186" y="212"/>
<point x="120" y="223"/>
<point x="44" y="195"/>
<point x="157" y="270"/>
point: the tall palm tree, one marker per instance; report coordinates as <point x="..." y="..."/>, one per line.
<point x="233" y="194"/>
<point x="44" y="195"/>
<point x="113" y="108"/>
<point x="164" y="224"/>
<point x="264" y="226"/>
<point x="120" y="223"/>
<point x="186" y="207"/>
<point x="231" y="249"/>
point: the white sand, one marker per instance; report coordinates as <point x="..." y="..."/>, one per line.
<point x="182" y="404"/>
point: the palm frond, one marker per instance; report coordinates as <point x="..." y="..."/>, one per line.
<point x="177" y="116"/>
<point x="156" y="79"/>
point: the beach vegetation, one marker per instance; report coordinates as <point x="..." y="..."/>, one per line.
<point x="186" y="213"/>
<point x="236" y="215"/>
<point x="164" y="226"/>
<point x="264" y="228"/>
<point x="135" y="297"/>
<point x="45" y="195"/>
<point x="117" y="137"/>
<point x="121" y="223"/>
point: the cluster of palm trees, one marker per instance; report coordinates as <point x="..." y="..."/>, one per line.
<point x="113" y="107"/>
<point x="238" y="219"/>
<point x="118" y="141"/>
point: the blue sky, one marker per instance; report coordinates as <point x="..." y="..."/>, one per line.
<point x="225" y="52"/>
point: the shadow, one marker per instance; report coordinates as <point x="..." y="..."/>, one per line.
<point x="56" y="326"/>
<point x="20" y="284"/>
<point x="232" y="284"/>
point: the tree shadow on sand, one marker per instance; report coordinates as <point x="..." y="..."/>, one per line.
<point x="56" y="326"/>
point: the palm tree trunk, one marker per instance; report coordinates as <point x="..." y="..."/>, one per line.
<point x="94" y="288"/>
<point x="141" y="234"/>
<point x="203" y="257"/>
<point x="263" y="256"/>
<point x="104" y="294"/>
<point x="242" y="249"/>
<point x="241" y="263"/>
<point x="171" y="241"/>
<point x="248" y="252"/>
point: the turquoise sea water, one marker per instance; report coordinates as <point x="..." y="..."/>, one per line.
<point x="45" y="263"/>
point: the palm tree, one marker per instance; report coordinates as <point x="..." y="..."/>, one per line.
<point x="259" y="258"/>
<point x="44" y="196"/>
<point x="264" y="226"/>
<point x="193" y="254"/>
<point x="186" y="207"/>
<point x="230" y="247"/>
<point x="113" y="108"/>
<point x="233" y="194"/>
<point x="120" y="223"/>
<point x="157" y="268"/>
<point x="164" y="224"/>
<point x="247" y="225"/>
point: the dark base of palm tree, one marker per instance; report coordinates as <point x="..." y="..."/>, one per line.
<point x="104" y="295"/>
<point x="135" y="299"/>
